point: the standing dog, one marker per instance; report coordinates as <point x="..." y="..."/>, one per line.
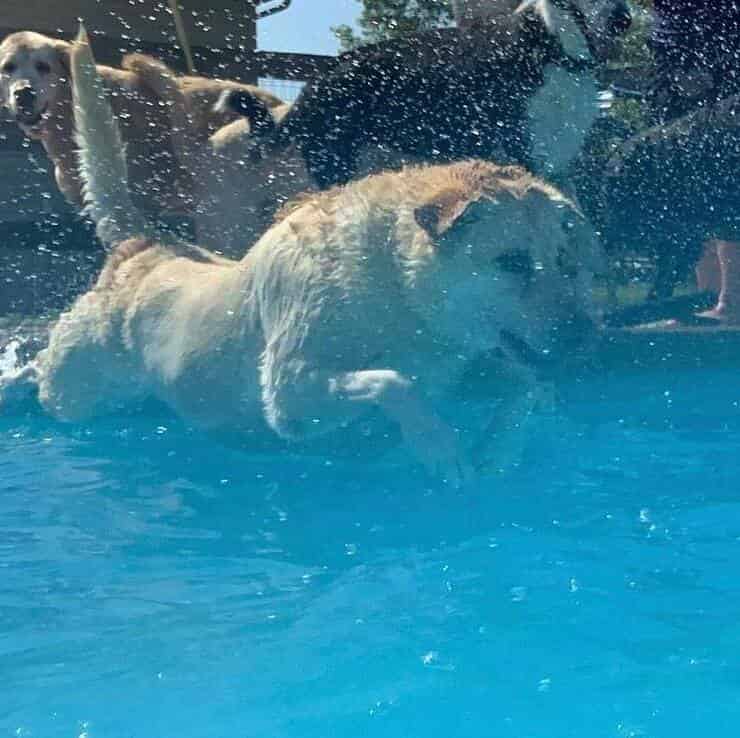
<point x="523" y="88"/>
<point x="34" y="87"/>
<point x="372" y="295"/>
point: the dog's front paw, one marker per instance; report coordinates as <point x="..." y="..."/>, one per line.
<point x="434" y="443"/>
<point x="502" y="445"/>
<point x="437" y="446"/>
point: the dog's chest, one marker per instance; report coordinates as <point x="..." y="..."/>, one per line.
<point x="560" y="115"/>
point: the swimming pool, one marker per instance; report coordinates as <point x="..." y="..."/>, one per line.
<point x="157" y="583"/>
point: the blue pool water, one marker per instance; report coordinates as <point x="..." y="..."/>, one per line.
<point x="157" y="583"/>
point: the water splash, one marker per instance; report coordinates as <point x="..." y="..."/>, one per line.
<point x="9" y="359"/>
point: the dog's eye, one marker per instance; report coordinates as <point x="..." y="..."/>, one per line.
<point x="9" y="67"/>
<point x="43" y="67"/>
<point x="516" y="261"/>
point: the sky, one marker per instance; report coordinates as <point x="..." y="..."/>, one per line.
<point x="305" y="26"/>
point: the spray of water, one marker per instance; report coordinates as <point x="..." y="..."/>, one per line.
<point x="9" y="357"/>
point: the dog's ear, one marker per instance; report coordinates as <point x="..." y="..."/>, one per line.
<point x="250" y="106"/>
<point x="445" y="210"/>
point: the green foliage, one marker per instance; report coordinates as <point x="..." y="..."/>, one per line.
<point x="634" y="48"/>
<point x="634" y="58"/>
<point x="386" y="19"/>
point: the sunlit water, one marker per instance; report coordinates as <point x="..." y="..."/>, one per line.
<point x="156" y="583"/>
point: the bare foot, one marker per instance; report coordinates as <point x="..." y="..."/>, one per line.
<point x="726" y="254"/>
<point x="722" y="315"/>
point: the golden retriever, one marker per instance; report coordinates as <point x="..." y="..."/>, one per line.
<point x="34" y="87"/>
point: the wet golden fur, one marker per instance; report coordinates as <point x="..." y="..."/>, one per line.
<point x="375" y="294"/>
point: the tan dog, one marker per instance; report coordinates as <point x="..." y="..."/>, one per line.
<point x="34" y="87"/>
<point x="376" y="294"/>
<point x="236" y="194"/>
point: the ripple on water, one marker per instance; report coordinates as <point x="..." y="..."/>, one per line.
<point x="158" y="583"/>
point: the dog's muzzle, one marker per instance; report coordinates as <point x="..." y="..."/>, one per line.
<point x="25" y="100"/>
<point x="568" y="337"/>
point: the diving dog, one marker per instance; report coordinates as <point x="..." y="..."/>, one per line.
<point x="372" y="295"/>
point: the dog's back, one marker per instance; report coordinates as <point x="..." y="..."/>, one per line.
<point x="433" y="96"/>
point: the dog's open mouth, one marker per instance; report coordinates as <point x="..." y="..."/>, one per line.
<point x="31" y="119"/>
<point x="524" y="353"/>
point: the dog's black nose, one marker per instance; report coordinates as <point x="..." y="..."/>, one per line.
<point x="25" y="99"/>
<point x="621" y="19"/>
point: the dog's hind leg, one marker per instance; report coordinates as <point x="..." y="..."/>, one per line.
<point x="87" y="368"/>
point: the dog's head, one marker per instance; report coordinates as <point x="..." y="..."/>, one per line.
<point x="34" y="69"/>
<point x="585" y="28"/>
<point x="507" y="263"/>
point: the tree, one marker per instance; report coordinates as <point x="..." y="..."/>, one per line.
<point x="635" y="60"/>
<point x="387" y="19"/>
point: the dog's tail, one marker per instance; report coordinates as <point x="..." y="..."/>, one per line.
<point x="102" y="154"/>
